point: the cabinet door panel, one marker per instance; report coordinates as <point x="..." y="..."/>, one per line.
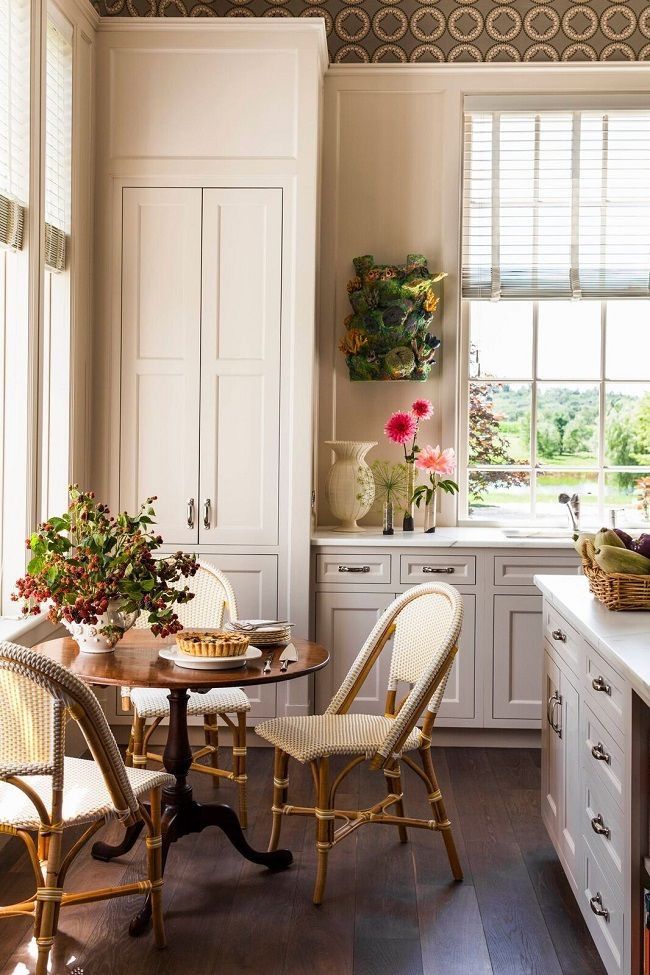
<point x="240" y="365"/>
<point x="161" y="321"/>
<point x="552" y="751"/>
<point x="570" y="820"/>
<point x="517" y="638"/>
<point x="255" y="581"/>
<point x="343" y="623"/>
<point x="458" y="701"/>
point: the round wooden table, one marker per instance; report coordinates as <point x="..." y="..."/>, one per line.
<point x="136" y="663"/>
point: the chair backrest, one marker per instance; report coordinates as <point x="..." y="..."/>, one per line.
<point x="214" y="597"/>
<point x="35" y="693"/>
<point x="424" y="623"/>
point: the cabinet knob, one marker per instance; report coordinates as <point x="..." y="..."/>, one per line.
<point x="599" y="827"/>
<point x="190" y="512"/>
<point x="354" y="568"/>
<point x="596" y="904"/>
<point x="559" y="636"/>
<point x="599" y="753"/>
<point x="600" y="684"/>
<point x="206" y="513"/>
<point x="438" y="569"/>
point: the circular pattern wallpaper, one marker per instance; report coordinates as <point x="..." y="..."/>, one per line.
<point x="420" y="31"/>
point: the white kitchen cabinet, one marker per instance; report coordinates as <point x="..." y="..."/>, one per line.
<point x="516" y="630"/>
<point x="552" y="748"/>
<point x="459" y="698"/>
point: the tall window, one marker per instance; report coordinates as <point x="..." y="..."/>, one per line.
<point x="556" y="310"/>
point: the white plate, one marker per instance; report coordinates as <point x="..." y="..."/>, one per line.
<point x="188" y="662"/>
<point x="272" y="628"/>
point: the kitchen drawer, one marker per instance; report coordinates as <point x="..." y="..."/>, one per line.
<point x="606" y="688"/>
<point x="602" y="822"/>
<point x="460" y="570"/>
<point x="565" y="640"/>
<point x="601" y="755"/>
<point x="353" y="568"/>
<point x="517" y="570"/>
<point x="600" y="894"/>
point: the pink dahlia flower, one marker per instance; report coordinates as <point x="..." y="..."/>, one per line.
<point x="401" y="427"/>
<point x="423" y="409"/>
<point x="437" y="461"/>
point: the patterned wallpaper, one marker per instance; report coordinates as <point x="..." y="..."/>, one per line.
<point x="443" y="30"/>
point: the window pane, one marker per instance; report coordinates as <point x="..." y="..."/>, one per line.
<point x="552" y="484"/>
<point x="567" y="425"/>
<point x="499" y="423"/>
<point x="628" y="340"/>
<point x="499" y="495"/>
<point x="627" y="424"/>
<point x="568" y="340"/>
<point x="501" y="343"/>
<point x="629" y="494"/>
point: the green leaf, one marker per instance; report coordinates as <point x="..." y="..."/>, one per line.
<point x="35" y="565"/>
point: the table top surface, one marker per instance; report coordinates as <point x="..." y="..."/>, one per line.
<point x="135" y="663"/>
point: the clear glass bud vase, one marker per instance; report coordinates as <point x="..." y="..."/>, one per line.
<point x="388" y="518"/>
<point x="430" y="516"/>
<point x="409" y="512"/>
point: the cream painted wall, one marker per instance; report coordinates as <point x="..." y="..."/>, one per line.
<point x="391" y="185"/>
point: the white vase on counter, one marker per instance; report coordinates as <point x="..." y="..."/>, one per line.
<point x="350" y="484"/>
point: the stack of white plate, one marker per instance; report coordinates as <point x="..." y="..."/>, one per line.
<point x="265" y="636"/>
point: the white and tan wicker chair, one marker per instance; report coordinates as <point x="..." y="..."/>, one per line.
<point x="42" y="793"/>
<point x="213" y="597"/>
<point x="425" y="625"/>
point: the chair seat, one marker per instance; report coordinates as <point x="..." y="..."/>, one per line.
<point x="85" y="796"/>
<point x="153" y="703"/>
<point x="314" y="736"/>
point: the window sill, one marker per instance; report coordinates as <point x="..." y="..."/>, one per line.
<point x="24" y="630"/>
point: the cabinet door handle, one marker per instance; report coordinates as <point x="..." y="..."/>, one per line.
<point x="600" y="684"/>
<point x="190" y="512"/>
<point x="206" y="513"/>
<point x="553" y="702"/>
<point x="354" y="568"/>
<point x="599" y="827"/>
<point x="599" y="753"/>
<point x="596" y="904"/>
<point x="559" y="636"/>
<point x="439" y="569"/>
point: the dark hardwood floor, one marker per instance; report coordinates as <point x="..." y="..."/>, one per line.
<point x="390" y="909"/>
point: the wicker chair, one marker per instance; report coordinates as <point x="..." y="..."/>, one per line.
<point x="425" y="624"/>
<point x="43" y="793"/>
<point x="213" y="595"/>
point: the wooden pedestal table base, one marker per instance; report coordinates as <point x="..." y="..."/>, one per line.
<point x="136" y="663"/>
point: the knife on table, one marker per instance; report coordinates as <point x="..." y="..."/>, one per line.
<point x="288" y="656"/>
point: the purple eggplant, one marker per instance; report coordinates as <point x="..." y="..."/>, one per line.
<point x="627" y="540"/>
<point x="642" y="545"/>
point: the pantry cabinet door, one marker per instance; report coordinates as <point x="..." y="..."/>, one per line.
<point x="240" y="366"/>
<point x="458" y="700"/>
<point x="161" y="323"/>
<point x="552" y="751"/>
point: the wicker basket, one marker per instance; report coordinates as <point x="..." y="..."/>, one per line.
<point x="217" y="643"/>
<point x="618" y="590"/>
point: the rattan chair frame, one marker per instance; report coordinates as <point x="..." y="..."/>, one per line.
<point x="426" y="699"/>
<point x="70" y="698"/>
<point x="138" y="752"/>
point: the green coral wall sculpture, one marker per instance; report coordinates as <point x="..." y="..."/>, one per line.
<point x="388" y="334"/>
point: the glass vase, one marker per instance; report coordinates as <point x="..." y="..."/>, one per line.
<point x="430" y="516"/>
<point x="408" y="524"/>
<point x="388" y="518"/>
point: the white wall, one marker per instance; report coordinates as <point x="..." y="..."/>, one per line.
<point x="391" y="186"/>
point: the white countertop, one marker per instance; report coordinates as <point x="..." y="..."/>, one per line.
<point x="622" y="638"/>
<point x="469" y="537"/>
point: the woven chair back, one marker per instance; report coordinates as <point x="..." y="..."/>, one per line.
<point x="214" y="598"/>
<point x="35" y="693"/>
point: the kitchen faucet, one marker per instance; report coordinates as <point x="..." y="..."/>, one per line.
<point x="572" y="503"/>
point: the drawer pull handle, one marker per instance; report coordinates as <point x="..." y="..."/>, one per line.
<point x="600" y="684"/>
<point x="599" y="827"/>
<point x="596" y="904"/>
<point x="553" y="701"/>
<point x="599" y="753"/>
<point x="440" y="570"/>
<point x="559" y="636"/>
<point x="354" y="568"/>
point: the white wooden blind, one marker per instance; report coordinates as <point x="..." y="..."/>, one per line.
<point x="58" y="142"/>
<point x="556" y="204"/>
<point x="14" y="119"/>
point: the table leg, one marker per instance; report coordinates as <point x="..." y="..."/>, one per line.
<point x="183" y="815"/>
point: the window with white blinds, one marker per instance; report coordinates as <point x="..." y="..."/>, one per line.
<point x="14" y="119"/>
<point x="556" y="204"/>
<point x="58" y="142"/>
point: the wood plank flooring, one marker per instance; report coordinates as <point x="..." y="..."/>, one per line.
<point x="390" y="909"/>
